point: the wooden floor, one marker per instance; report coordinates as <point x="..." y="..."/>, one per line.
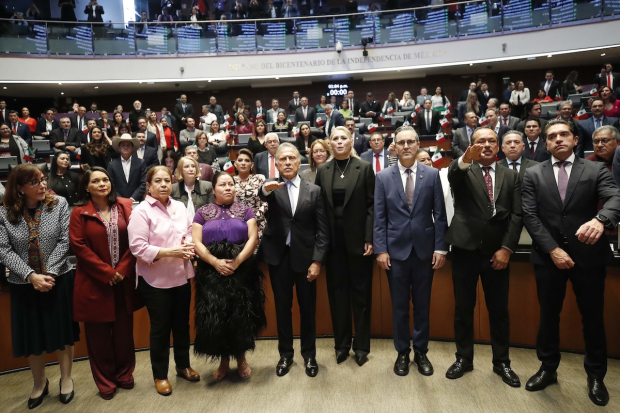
<point x="338" y="388"/>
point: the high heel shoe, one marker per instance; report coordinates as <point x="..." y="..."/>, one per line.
<point x="32" y="403"/>
<point x="66" y="398"/>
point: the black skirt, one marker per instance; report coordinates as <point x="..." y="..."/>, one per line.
<point x="43" y="321"/>
<point x="230" y="310"/>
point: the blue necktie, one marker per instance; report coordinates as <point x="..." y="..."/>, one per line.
<point x="289" y="187"/>
<point x="598" y="123"/>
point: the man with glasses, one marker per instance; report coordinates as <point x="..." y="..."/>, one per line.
<point x="605" y="140"/>
<point x="377" y="155"/>
<point x="561" y="198"/>
<point x="408" y="236"/>
<point x="587" y="127"/>
<point x="265" y="162"/>
<point x="47" y="124"/>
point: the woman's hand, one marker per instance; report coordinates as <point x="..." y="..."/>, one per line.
<point x="42" y="282"/>
<point x="183" y="251"/>
<point x="224" y="267"/>
<point x="118" y="277"/>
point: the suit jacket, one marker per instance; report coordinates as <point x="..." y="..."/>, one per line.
<point x="360" y="143"/>
<point x="555" y="89"/>
<point x="500" y="134"/>
<point x="602" y="81"/>
<point x="552" y="223"/>
<point x="201" y="195"/>
<point x="301" y="145"/>
<point x="460" y="142"/>
<point x="371" y="107"/>
<point x="270" y="115"/>
<point x="358" y="209"/>
<point x="336" y="120"/>
<point x="292" y="107"/>
<point x="540" y="154"/>
<point x="474" y="226"/>
<point x="369" y="156"/>
<point x="23" y="131"/>
<point x="255" y="113"/>
<point x="57" y="135"/>
<point x="74" y="121"/>
<point x="149" y="158"/>
<point x="179" y="113"/>
<point x="41" y="125"/>
<point x="308" y="227"/>
<point x="525" y="163"/>
<point x="506" y="95"/>
<point x="133" y="188"/>
<point x="93" y="298"/>
<point x="261" y="163"/>
<point x="398" y="229"/>
<point x="311" y="117"/>
<point x="98" y="12"/>
<point x="217" y="111"/>
<point x="585" y="129"/>
<point x="355" y="108"/>
<point x="151" y="140"/>
<point x="484" y="100"/>
<point x="421" y="126"/>
<point x="512" y="122"/>
<point x="206" y="172"/>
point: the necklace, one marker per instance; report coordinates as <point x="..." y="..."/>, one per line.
<point x="345" y="168"/>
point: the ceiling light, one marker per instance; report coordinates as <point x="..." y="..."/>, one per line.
<point x="59" y="83"/>
<point x="549" y="55"/>
<point x="277" y="78"/>
<point x="602" y="54"/>
<point x="96" y="87"/>
<point x="4" y="88"/>
<point x="62" y="93"/>
<point x="471" y="64"/>
<point x="209" y="80"/>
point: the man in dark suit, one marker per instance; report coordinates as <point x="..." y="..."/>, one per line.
<point x="259" y="111"/>
<point x="305" y="113"/>
<point x="147" y="154"/>
<point x="334" y="118"/>
<point x="513" y="146"/>
<point x="535" y="148"/>
<point x="46" y="124"/>
<point x="588" y="126"/>
<point x="428" y="120"/>
<point x="296" y="214"/>
<point x="377" y="155"/>
<point x="508" y="92"/>
<point x="410" y="224"/>
<point x="136" y="113"/>
<point x="484" y="233"/>
<point x="151" y="138"/>
<point x="484" y="95"/>
<point x="294" y="103"/>
<point x="65" y="139"/>
<point x="78" y="121"/>
<point x="551" y="87"/>
<point x="462" y="137"/>
<point x="130" y="184"/>
<point x="465" y="93"/>
<point x="20" y="128"/>
<point x="182" y="111"/>
<point x="354" y="104"/>
<point x="492" y="117"/>
<point x="531" y="110"/>
<point x="371" y="108"/>
<point x="360" y="143"/>
<point x="85" y="134"/>
<point x="265" y="162"/>
<point x="4" y="112"/>
<point x="504" y="117"/>
<point x="94" y="12"/>
<point x="560" y="202"/>
<point x="216" y="109"/>
<point x="607" y="77"/>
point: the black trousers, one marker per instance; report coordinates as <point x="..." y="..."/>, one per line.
<point x="467" y="266"/>
<point x="168" y="311"/>
<point x="411" y="278"/>
<point x="283" y="280"/>
<point x="349" y="289"/>
<point x="589" y="288"/>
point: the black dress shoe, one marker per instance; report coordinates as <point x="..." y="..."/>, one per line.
<point x="424" y="364"/>
<point x="401" y="366"/>
<point x="541" y="380"/>
<point x="597" y="391"/>
<point x="361" y="359"/>
<point x="507" y="374"/>
<point x="460" y="367"/>
<point x="341" y="356"/>
<point x="284" y="365"/>
<point x="312" y="368"/>
<point x="32" y="403"/>
<point x="66" y="398"/>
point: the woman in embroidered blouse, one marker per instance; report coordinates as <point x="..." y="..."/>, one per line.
<point x="229" y="295"/>
<point x="105" y="296"/>
<point x="160" y="239"/>
<point x="247" y="185"/>
<point x="34" y="246"/>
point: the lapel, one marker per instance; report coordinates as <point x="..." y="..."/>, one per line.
<point x="303" y="193"/>
<point x="91" y="211"/>
<point x="575" y="176"/>
<point x="351" y="177"/>
<point x="418" y="180"/>
<point x="499" y="178"/>
<point x="547" y="171"/>
<point x="329" y="178"/>
<point x="386" y="156"/>
<point x="282" y="193"/>
<point x="399" y="184"/>
<point x="476" y="170"/>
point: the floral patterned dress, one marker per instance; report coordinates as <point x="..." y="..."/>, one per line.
<point x="247" y="194"/>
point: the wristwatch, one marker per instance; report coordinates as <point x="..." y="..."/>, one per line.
<point x="604" y="220"/>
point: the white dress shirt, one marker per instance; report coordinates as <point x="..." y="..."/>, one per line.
<point x="381" y="162"/>
<point x="568" y="168"/>
<point x="126" y="167"/>
<point x="518" y="162"/>
<point x="48" y="125"/>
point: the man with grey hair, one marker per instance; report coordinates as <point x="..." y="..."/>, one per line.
<point x="265" y="162"/>
<point x="513" y="145"/>
<point x="296" y="214"/>
<point x="136" y="113"/>
<point x="605" y="141"/>
<point x="493" y="103"/>
<point x="334" y="118"/>
<point x="216" y="109"/>
<point x="66" y="139"/>
<point x="206" y="119"/>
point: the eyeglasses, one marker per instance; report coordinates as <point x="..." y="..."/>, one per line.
<point x="409" y="142"/>
<point x="38" y="182"/>
<point x="319" y="151"/>
<point x="604" y="141"/>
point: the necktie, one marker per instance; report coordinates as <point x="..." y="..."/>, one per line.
<point x="291" y="197"/>
<point x="377" y="164"/>
<point x="608" y="80"/>
<point x="562" y="178"/>
<point x="14" y="129"/>
<point x="351" y="104"/>
<point x="409" y="188"/>
<point x="598" y="123"/>
<point x="505" y="121"/>
<point x="469" y="131"/>
<point x="514" y="166"/>
<point x="547" y="86"/>
<point x="428" y="120"/>
<point x="532" y="149"/>
<point x="489" y="181"/>
<point x="66" y="132"/>
<point x="305" y="112"/>
<point x="80" y="124"/>
<point x="272" y="167"/>
<point x="296" y="102"/>
<point x="141" y="153"/>
<point x="184" y="107"/>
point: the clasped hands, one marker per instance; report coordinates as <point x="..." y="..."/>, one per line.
<point x="589" y="233"/>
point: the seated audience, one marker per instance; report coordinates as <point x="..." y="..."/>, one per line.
<point x="66" y="139"/>
<point x="12" y="145"/>
<point x="215" y="135"/>
<point x="97" y="152"/>
<point x="243" y="124"/>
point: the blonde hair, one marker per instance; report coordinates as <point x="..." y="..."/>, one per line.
<point x="325" y="146"/>
<point x="178" y="173"/>
<point x="344" y="130"/>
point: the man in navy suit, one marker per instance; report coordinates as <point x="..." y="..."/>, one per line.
<point x="428" y="120"/>
<point x="484" y="96"/>
<point x="535" y="146"/>
<point x="377" y="155"/>
<point x="588" y="126"/>
<point x="371" y="108"/>
<point x="127" y="172"/>
<point x="360" y="143"/>
<point x="20" y="128"/>
<point x="46" y="124"/>
<point x="409" y="228"/>
<point x="146" y="153"/>
<point x="334" y="118"/>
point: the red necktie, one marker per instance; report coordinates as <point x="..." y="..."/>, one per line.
<point x="505" y="121"/>
<point x="272" y="167"/>
<point x="14" y="129"/>
<point x="158" y="135"/>
<point x="378" y="164"/>
<point x="489" y="181"/>
<point x="608" y="80"/>
<point x="532" y="149"/>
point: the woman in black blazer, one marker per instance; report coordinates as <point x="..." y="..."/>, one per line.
<point x="305" y="140"/>
<point x="348" y="185"/>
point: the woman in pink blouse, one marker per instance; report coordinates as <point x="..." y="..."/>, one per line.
<point x="243" y="125"/>
<point x="160" y="239"/>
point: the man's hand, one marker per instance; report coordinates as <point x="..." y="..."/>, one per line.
<point x="561" y="259"/>
<point x="392" y="150"/>
<point x="438" y="260"/>
<point x="367" y="249"/>
<point x="473" y="153"/>
<point x="591" y="231"/>
<point x="500" y="259"/>
<point x="383" y="259"/>
<point x="70" y="148"/>
<point x="314" y="270"/>
<point x="273" y="185"/>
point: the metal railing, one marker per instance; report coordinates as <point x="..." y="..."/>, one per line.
<point x="407" y="26"/>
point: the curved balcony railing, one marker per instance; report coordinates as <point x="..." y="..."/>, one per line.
<point x="408" y="26"/>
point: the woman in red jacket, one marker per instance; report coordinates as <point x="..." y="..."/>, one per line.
<point x="105" y="282"/>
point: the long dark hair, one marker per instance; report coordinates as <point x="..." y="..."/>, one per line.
<point x="570" y="79"/>
<point x="13" y="201"/>
<point x="247" y="153"/>
<point x="53" y="175"/>
<point x="97" y="148"/>
<point x="83" y="195"/>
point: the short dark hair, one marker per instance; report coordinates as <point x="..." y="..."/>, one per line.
<point x="219" y="174"/>
<point x="530" y="119"/>
<point x="553" y="122"/>
<point x="549" y="71"/>
<point x="84" y="196"/>
<point x="142" y="117"/>
<point x="369" y="94"/>
<point x="13" y="111"/>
